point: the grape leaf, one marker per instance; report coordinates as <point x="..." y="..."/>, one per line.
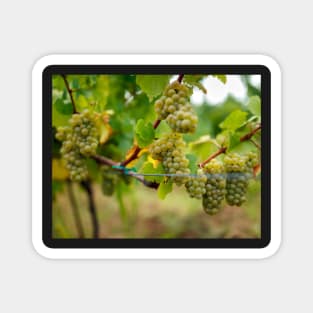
<point x="144" y="133"/>
<point x="222" y="78"/>
<point x="148" y="168"/>
<point x="64" y="107"/>
<point x="234" y="141"/>
<point x="254" y="105"/>
<point x="152" y="85"/>
<point x="162" y="129"/>
<point x="195" y="80"/>
<point x="234" y="120"/>
<point x="164" y="189"/>
<point x="192" y="163"/>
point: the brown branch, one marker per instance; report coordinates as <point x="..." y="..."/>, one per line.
<point x="180" y="78"/>
<point x="156" y="124"/>
<point x="222" y="150"/>
<point x="103" y="160"/>
<point x="133" y="156"/>
<point x="212" y="156"/>
<point x="77" y="219"/>
<point x="249" y="135"/>
<point x="70" y="91"/>
<point x="137" y="150"/>
<point x="255" y="143"/>
<point x="92" y="208"/>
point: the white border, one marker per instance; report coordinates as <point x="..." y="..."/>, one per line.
<point x="43" y="250"/>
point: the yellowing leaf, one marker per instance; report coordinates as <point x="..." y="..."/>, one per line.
<point x="59" y="172"/>
<point x="105" y="133"/>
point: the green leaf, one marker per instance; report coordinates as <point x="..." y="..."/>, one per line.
<point x="195" y="80"/>
<point x="254" y="105"/>
<point x="164" y="189"/>
<point x="162" y="129"/>
<point x="144" y="133"/>
<point x="64" y="107"/>
<point x="192" y="163"/>
<point x="222" y="78"/>
<point x="152" y="85"/>
<point x="148" y="168"/>
<point x="234" y="120"/>
<point x="234" y="141"/>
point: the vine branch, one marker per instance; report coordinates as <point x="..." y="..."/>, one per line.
<point x="103" y="160"/>
<point x="222" y="150"/>
<point x="92" y="208"/>
<point x="137" y="150"/>
<point x="77" y="219"/>
<point x="70" y="91"/>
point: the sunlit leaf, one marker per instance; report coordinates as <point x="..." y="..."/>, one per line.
<point x="144" y="133"/>
<point x="164" y="189"/>
<point x="234" y="120"/>
<point x="59" y="172"/>
<point x="148" y="168"/>
<point x="192" y="163"/>
<point x="152" y="85"/>
<point x="254" y="105"/>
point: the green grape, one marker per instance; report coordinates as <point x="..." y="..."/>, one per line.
<point x="85" y="132"/>
<point x="108" y="180"/>
<point x="175" y="108"/>
<point x="79" y="140"/>
<point x="214" y="187"/>
<point x="237" y="179"/>
<point x="170" y="151"/>
<point x="252" y="160"/>
<point x="195" y="186"/>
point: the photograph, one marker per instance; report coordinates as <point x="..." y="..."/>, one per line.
<point x="162" y="156"/>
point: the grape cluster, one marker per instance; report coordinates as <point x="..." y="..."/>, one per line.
<point x="252" y="161"/>
<point x="237" y="178"/>
<point x="195" y="186"/>
<point x="79" y="140"/>
<point x="108" y="180"/>
<point x="214" y="187"/>
<point x="170" y="151"/>
<point x="175" y="108"/>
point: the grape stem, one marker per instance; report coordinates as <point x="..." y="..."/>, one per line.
<point x="222" y="150"/>
<point x="136" y="151"/>
<point x="70" y="91"/>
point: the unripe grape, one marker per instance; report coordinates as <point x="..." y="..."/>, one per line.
<point x="80" y="139"/>
<point x="170" y="151"/>
<point x="173" y="106"/>
<point x="195" y="185"/>
<point x="237" y="178"/>
<point x="214" y="188"/>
